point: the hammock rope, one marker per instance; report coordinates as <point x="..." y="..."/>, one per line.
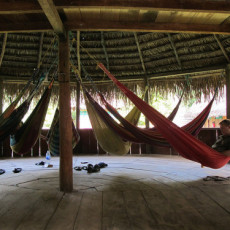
<point x="183" y="142"/>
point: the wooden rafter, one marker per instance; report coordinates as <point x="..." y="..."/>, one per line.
<point x="222" y="48"/>
<point x="139" y="51"/>
<point x="28" y="6"/>
<point x="119" y="26"/>
<point x="182" y="5"/>
<point x="104" y="48"/>
<point x="174" y="50"/>
<point x="52" y="14"/>
<point x="3" y="48"/>
<point x="40" y="50"/>
<point x="146" y="97"/>
<point x="148" y="27"/>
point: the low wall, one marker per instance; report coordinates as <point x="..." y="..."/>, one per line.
<point x="89" y="145"/>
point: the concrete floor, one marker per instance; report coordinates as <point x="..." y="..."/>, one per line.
<point x="134" y="192"/>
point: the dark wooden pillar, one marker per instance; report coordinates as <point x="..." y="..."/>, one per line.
<point x="78" y="84"/>
<point x="1" y="96"/>
<point x="228" y="91"/>
<point x="1" y="110"/>
<point x="66" y="151"/>
<point x="148" y="147"/>
<point x="78" y="107"/>
<point x="146" y="99"/>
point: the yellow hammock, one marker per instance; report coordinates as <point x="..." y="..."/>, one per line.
<point x="109" y="140"/>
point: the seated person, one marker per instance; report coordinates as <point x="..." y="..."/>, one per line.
<point x="223" y="142"/>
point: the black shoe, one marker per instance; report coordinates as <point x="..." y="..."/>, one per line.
<point x="40" y="163"/>
<point x="102" y="165"/>
<point x="96" y="168"/>
<point x="90" y="168"/>
<point x="17" y="170"/>
<point x="2" y="171"/>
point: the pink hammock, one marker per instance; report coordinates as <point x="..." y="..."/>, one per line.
<point x="183" y="142"/>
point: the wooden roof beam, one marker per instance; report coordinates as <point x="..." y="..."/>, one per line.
<point x="173" y="5"/>
<point x="3" y="48"/>
<point x="222" y="48"/>
<point x="52" y="14"/>
<point x="119" y="26"/>
<point x="28" y="6"/>
<point x="174" y="50"/>
<point x="139" y="51"/>
<point x="148" y="27"/>
<point x="104" y="48"/>
<point x="40" y="50"/>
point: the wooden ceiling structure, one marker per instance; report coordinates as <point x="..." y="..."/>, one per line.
<point x="196" y="16"/>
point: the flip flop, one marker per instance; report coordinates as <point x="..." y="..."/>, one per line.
<point x="40" y="163"/>
<point x="77" y="168"/>
<point x="2" y="171"/>
<point x="17" y="170"/>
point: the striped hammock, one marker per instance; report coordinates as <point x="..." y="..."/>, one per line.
<point x="53" y="136"/>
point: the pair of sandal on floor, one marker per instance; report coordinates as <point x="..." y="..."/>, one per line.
<point x="92" y="168"/>
<point x="47" y="165"/>
<point x="16" y="170"/>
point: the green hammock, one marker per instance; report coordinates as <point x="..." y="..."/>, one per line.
<point x="26" y="136"/>
<point x="53" y="137"/>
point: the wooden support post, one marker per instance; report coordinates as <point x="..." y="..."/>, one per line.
<point x="1" y="96"/>
<point x="228" y="91"/>
<point x="146" y="99"/>
<point x="3" y="48"/>
<point x="78" y="84"/>
<point x="66" y="151"/>
<point x="78" y="106"/>
<point x="1" y="110"/>
<point x="148" y="147"/>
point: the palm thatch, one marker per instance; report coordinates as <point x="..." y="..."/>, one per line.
<point x="169" y="63"/>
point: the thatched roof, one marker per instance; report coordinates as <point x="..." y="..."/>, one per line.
<point x="170" y="61"/>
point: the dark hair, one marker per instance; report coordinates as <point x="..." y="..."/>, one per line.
<point x="225" y="122"/>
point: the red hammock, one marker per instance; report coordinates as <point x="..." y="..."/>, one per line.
<point x="131" y="134"/>
<point x="183" y="142"/>
<point x="152" y="136"/>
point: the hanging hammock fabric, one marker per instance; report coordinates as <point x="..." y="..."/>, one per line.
<point x="132" y="133"/>
<point x="107" y="138"/>
<point x="53" y="137"/>
<point x="26" y="136"/>
<point x="14" y="117"/>
<point x="183" y="142"/>
<point x="124" y="120"/>
<point x="152" y="136"/>
<point x="13" y="105"/>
